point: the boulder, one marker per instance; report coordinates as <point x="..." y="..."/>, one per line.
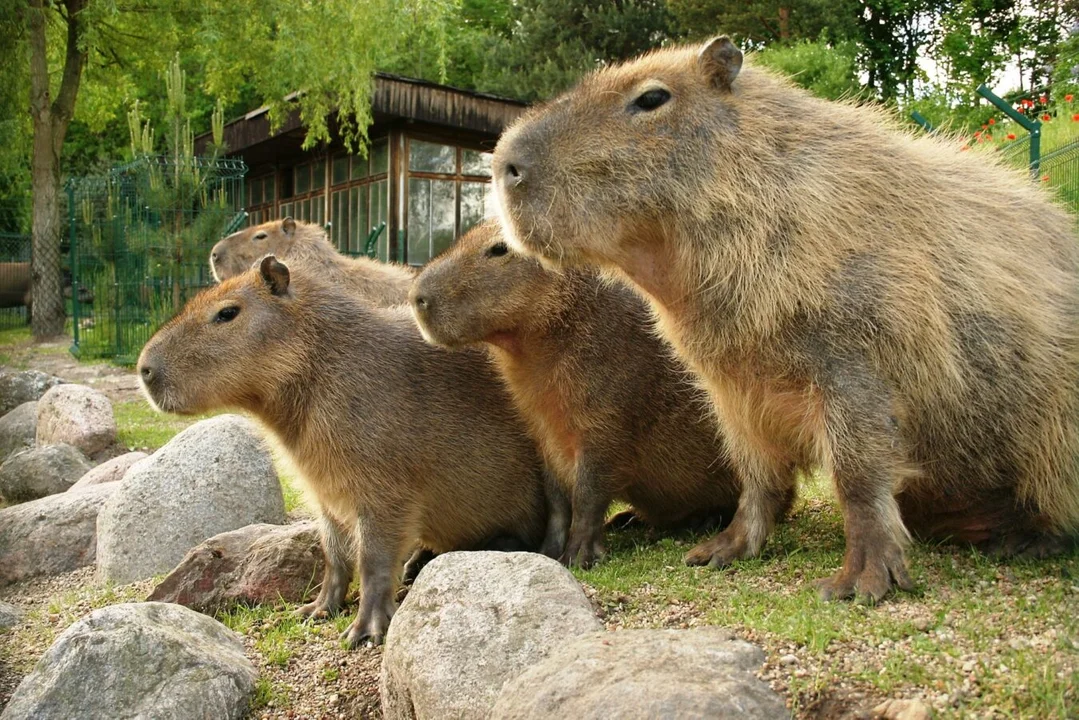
<point x="17" y="388"/>
<point x="18" y="429"/>
<point x="700" y="673"/>
<point x="53" y="535"/>
<point x="10" y="616"/>
<point x="38" y="472"/>
<point x="472" y="621"/>
<point x="76" y="415"/>
<point x="256" y="564"/>
<point x="108" y="471"/>
<point x="139" y="660"/>
<point x="215" y="476"/>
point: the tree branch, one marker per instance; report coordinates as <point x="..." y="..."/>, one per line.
<point x="63" y="108"/>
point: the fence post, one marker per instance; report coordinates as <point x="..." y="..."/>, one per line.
<point x="1034" y="127"/>
<point x="920" y="119"/>
<point x="74" y="260"/>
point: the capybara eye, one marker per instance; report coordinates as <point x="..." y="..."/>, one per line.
<point x="224" y="315"/>
<point x="650" y="100"/>
<point x="497" y="250"/>
<point x="260" y="235"/>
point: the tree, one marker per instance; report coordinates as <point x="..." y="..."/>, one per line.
<point x="758" y="23"/>
<point x="313" y="56"/>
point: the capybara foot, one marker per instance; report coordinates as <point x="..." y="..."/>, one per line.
<point x="623" y="520"/>
<point x="371" y="629"/>
<point x="868" y="573"/>
<point x="1029" y="545"/>
<point x="318" y="609"/>
<point x="418" y="561"/>
<point x="583" y="552"/>
<point x="720" y="550"/>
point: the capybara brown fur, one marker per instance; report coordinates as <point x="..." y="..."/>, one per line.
<point x="402" y="445"/>
<point x="614" y="414"/>
<point x="379" y="283"/>
<point x="854" y="298"/>
<point x="16" y="287"/>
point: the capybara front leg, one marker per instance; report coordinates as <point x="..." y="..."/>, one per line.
<point x="340" y="562"/>
<point x="559" y="515"/>
<point x="381" y="550"/>
<point x="867" y="461"/>
<point x="591" y="498"/>
<point x="766" y="492"/>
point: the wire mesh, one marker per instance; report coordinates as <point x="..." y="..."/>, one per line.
<point x="140" y="240"/>
<point x="14" y="280"/>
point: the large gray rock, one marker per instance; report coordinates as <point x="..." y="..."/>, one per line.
<point x="139" y="660"/>
<point x="52" y="535"/>
<point x="10" y="616"/>
<point x="472" y="621"/>
<point x="108" y="471"/>
<point x="38" y="472"/>
<point x="701" y="673"/>
<point x="19" y="387"/>
<point x="213" y="477"/>
<point x="18" y="429"/>
<point x="252" y="565"/>
<point x="76" y="415"/>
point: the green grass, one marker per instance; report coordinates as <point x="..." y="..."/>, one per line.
<point x="966" y="605"/>
<point x="139" y="426"/>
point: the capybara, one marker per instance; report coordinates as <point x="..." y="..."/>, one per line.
<point x="401" y="444"/>
<point x="382" y="284"/>
<point x="16" y="287"/>
<point x="853" y="297"/>
<point x="612" y="411"/>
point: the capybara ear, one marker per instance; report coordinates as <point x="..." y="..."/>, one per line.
<point x="275" y="274"/>
<point x="288" y="225"/>
<point x="721" y="61"/>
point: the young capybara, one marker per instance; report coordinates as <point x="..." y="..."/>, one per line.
<point x="611" y="410"/>
<point x="379" y="283"/>
<point x="402" y="445"/>
<point x="853" y="297"/>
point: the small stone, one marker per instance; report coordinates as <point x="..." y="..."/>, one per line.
<point x="788" y="660"/>
<point x="18" y="429"/>
<point x="76" y="415"/>
<point x="20" y="387"/>
<point x="902" y="710"/>
<point x="41" y="471"/>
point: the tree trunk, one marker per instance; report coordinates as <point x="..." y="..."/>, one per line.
<point x="50" y="121"/>
<point x="784" y="24"/>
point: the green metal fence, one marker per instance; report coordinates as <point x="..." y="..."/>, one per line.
<point x="140" y="239"/>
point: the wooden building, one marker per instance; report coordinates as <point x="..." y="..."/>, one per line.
<point x="427" y="173"/>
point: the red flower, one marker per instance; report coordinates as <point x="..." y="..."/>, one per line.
<point x="984" y="127"/>
<point x="1011" y="136"/>
<point x="992" y="121"/>
<point x="1068" y="97"/>
<point x="977" y="134"/>
<point x="1046" y="118"/>
<point x="1045" y="178"/>
<point x="1026" y="102"/>
<point x="1075" y="117"/>
<point x="987" y="136"/>
<point x="1043" y="99"/>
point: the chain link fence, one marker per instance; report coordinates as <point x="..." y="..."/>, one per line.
<point x="140" y="238"/>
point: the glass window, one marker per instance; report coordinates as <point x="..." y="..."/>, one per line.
<point x="339" y="219"/>
<point x="359" y="166"/>
<point x="473" y="203"/>
<point x="443" y="215"/>
<point x="357" y="204"/>
<point x="318" y="210"/>
<point x="340" y="169"/>
<point x="250" y="193"/>
<point x="430" y="157"/>
<point x="285" y="211"/>
<point x="318" y="174"/>
<point x="268" y="188"/>
<point x="419" y="221"/>
<point x="302" y="179"/>
<point x="379" y="153"/>
<point x="475" y="163"/>
<point x="380" y="208"/>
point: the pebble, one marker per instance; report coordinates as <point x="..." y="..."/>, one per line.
<point x="788" y="660"/>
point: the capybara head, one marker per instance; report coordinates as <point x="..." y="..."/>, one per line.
<point x="478" y="291"/>
<point x="588" y="176"/>
<point x="239" y="251"/>
<point x="224" y="343"/>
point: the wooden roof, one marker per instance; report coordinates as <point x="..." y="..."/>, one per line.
<point x="393" y="98"/>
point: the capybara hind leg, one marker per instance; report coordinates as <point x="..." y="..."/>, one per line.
<point x="416" y="562"/>
<point x="867" y="461"/>
<point x="381" y="551"/>
<point x="762" y="501"/>
<point x="623" y="520"/>
<point x="559" y="516"/>
<point x="590" y="502"/>
<point x="1031" y="545"/>
<point x="340" y="560"/>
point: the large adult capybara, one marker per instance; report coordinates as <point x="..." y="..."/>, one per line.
<point x="401" y="444"/>
<point x="612" y="411"/>
<point x="383" y="284"/>
<point x="853" y="297"/>
<point x="16" y="287"/>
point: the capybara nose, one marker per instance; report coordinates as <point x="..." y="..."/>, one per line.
<point x="514" y="173"/>
<point x="148" y="371"/>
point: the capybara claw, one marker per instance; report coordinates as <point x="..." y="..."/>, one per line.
<point x="716" y="552"/>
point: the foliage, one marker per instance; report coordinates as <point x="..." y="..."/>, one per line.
<point x="828" y="71"/>
<point x="757" y="23"/>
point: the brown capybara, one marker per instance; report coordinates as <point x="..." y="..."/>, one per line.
<point x="16" y="287"/>
<point x="853" y="297"/>
<point x="401" y="444"/>
<point x="612" y="411"/>
<point x="379" y="283"/>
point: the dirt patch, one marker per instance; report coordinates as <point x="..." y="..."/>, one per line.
<point x="118" y="384"/>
